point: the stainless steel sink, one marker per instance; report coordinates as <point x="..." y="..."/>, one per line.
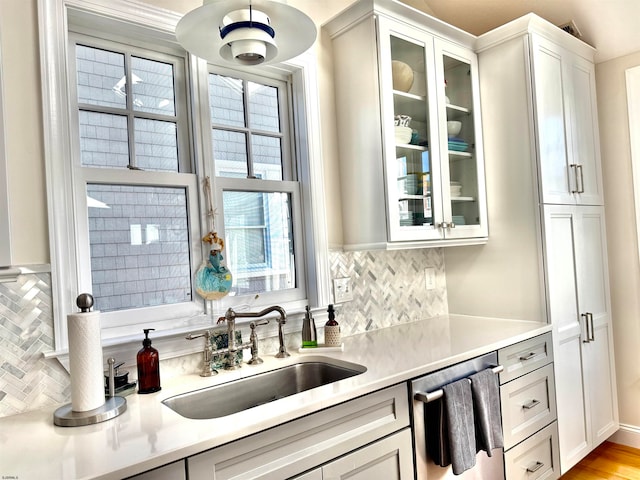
<point x="238" y="395"/>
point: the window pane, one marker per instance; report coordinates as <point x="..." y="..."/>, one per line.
<point x="101" y="78"/>
<point x="226" y="99"/>
<point x="156" y="145"/>
<point x="267" y="157"/>
<point x="259" y="241"/>
<point x="230" y="153"/>
<point x="152" y="86"/>
<point x="139" y="246"/>
<point x="103" y="140"/>
<point x="263" y="107"/>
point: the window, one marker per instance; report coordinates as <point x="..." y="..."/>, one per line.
<point x="133" y="180"/>
<point x="256" y="182"/>
<point x="133" y="125"/>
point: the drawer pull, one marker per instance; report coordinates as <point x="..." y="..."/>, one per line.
<point x="531" y="404"/>
<point x="535" y="468"/>
<point x="529" y="356"/>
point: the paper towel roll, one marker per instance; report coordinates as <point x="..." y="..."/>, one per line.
<point x="85" y="361"/>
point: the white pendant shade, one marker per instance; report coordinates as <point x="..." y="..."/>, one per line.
<point x="255" y="32"/>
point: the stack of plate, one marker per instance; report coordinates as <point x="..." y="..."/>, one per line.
<point x="457" y="144"/>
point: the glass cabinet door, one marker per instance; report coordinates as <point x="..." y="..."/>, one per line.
<point x="463" y="176"/>
<point x="414" y="201"/>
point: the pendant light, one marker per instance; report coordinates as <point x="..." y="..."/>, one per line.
<point x="245" y="32"/>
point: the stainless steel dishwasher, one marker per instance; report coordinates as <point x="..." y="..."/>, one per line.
<point x="428" y="388"/>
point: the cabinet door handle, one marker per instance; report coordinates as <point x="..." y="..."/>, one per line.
<point x="592" y="338"/>
<point x="586" y="324"/>
<point x="579" y="169"/>
<point x="447" y="225"/>
<point x="534" y="468"/>
<point x="574" y="167"/>
<point x="528" y="356"/>
<point x="531" y="404"/>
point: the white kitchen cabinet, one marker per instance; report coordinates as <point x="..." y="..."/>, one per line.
<point x="538" y="109"/>
<point x="567" y="121"/>
<point x="387" y="459"/>
<point x="407" y="186"/>
<point x="579" y="307"/>
<point x="304" y="444"/>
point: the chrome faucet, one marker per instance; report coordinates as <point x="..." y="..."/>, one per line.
<point x="231" y="315"/>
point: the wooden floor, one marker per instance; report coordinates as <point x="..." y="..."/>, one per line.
<point x="608" y="461"/>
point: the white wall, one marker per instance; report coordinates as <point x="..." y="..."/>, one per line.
<point x="624" y="264"/>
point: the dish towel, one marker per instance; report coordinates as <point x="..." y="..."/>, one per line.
<point x="450" y="428"/>
<point x="486" y="404"/>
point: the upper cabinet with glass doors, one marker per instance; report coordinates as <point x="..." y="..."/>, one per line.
<point x="409" y="133"/>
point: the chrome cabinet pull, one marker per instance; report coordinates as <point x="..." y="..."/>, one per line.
<point x="592" y="338"/>
<point x="447" y="225"/>
<point x="574" y="167"/>
<point x="531" y="404"/>
<point x="581" y="187"/>
<point x="529" y="356"/>
<point x="586" y="323"/>
<point x="537" y="466"/>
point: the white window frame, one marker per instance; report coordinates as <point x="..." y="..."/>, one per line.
<point x="296" y="297"/>
<point x="157" y="26"/>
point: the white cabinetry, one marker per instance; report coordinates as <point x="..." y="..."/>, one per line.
<point x="579" y="306"/>
<point x="565" y="109"/>
<point x="547" y="257"/>
<point x="528" y="403"/>
<point x="406" y="186"/>
<point x="303" y="445"/>
<point x="387" y="459"/>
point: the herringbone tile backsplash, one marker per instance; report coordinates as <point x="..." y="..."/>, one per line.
<point x="389" y="288"/>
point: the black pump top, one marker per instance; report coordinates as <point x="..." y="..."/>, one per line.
<point x="332" y="316"/>
<point x="147" y="341"/>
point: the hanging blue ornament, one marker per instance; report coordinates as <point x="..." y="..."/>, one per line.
<point x="213" y="279"/>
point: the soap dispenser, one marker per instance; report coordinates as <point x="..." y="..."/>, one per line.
<point x="309" y="334"/>
<point x="332" y="330"/>
<point x="148" y="366"/>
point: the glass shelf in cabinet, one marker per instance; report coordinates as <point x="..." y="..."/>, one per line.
<point x="460" y="155"/>
<point x="411" y="146"/>
<point x="457" y="109"/>
<point x="463" y="199"/>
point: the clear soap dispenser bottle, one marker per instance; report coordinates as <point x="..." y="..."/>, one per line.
<point x="309" y="334"/>
<point x="148" y="366"/>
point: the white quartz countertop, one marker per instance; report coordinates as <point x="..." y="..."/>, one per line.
<point x="149" y="434"/>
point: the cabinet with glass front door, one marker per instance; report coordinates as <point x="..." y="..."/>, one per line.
<point x="409" y="133"/>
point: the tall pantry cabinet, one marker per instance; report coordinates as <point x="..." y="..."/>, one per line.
<point x="530" y="58"/>
<point x="544" y="186"/>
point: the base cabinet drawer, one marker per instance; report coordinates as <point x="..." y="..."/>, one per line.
<point x="528" y="404"/>
<point x="537" y="458"/>
<point x="525" y="357"/>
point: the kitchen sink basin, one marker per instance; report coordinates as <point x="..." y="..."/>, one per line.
<point x="238" y="395"/>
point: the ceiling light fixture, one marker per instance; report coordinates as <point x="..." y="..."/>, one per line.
<point x="245" y="32"/>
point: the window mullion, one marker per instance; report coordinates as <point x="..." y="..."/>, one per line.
<point x="245" y="101"/>
<point x="129" y="112"/>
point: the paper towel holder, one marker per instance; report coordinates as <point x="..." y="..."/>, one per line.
<point x="113" y="406"/>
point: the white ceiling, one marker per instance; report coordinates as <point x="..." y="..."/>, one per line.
<point x="611" y="26"/>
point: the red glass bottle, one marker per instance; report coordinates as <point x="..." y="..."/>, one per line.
<point x="148" y="366"/>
